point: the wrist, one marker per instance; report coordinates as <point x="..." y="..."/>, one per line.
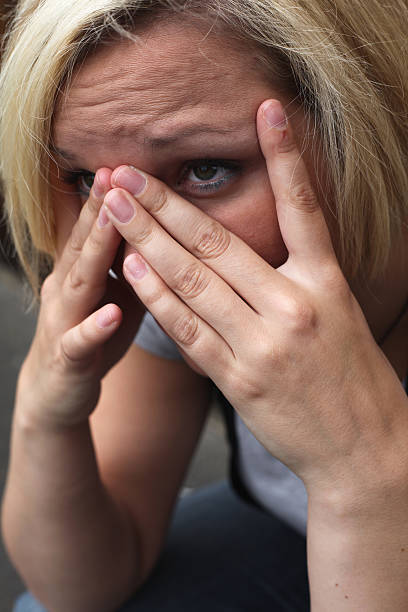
<point x="381" y="498"/>
<point x="54" y="405"/>
<point x="357" y="551"/>
<point x="373" y="473"/>
<point x="33" y="414"/>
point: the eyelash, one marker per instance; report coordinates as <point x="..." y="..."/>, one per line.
<point x="76" y="177"/>
<point x="73" y="177"/>
<point x="232" y="168"/>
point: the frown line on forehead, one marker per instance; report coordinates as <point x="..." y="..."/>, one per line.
<point x="175" y="136"/>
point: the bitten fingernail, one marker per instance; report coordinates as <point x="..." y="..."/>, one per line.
<point x="275" y="116"/>
<point x="135" y="266"/>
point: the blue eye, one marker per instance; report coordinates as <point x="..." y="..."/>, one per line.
<point x="204" y="176"/>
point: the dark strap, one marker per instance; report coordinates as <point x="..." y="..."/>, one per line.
<point x="234" y="472"/>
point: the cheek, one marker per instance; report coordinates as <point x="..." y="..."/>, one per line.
<point x="67" y="207"/>
<point x="252" y="217"/>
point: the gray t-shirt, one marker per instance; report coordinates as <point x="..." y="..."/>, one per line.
<point x="270" y="483"/>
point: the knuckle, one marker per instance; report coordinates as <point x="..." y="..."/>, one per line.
<point x="57" y="358"/>
<point x="142" y="236"/>
<point x="154" y="296"/>
<point x="64" y="359"/>
<point x="186" y="329"/>
<point x="246" y="386"/>
<point x="75" y="279"/>
<point x="191" y="282"/>
<point x="93" y="205"/>
<point x="94" y="242"/>
<point x="288" y="145"/>
<point x="76" y="241"/>
<point x="212" y="242"/>
<point x="303" y="197"/>
<point x="81" y="337"/>
<point x="159" y="200"/>
<point x="298" y="315"/>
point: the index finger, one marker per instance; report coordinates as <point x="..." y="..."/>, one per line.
<point x="84" y="223"/>
<point x="202" y="236"/>
<point x="301" y="220"/>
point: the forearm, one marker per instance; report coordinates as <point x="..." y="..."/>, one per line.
<point x="358" y="554"/>
<point x="72" y="543"/>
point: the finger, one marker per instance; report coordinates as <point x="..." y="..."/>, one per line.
<point x="80" y="343"/>
<point x="193" y="335"/>
<point x="85" y="284"/>
<point x="84" y="223"/>
<point x="194" y="282"/>
<point x="301" y="220"/>
<point x="206" y="239"/>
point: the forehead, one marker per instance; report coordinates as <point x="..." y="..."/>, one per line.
<point x="143" y="89"/>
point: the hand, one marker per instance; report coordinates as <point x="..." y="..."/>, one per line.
<point x="289" y="347"/>
<point x="78" y="337"/>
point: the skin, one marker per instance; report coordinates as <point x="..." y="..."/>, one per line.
<point x="176" y="79"/>
<point x="302" y="322"/>
<point x="177" y="85"/>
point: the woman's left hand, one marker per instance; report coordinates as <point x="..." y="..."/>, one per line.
<point x="289" y="347"/>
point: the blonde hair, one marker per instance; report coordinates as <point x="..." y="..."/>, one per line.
<point x="347" y="66"/>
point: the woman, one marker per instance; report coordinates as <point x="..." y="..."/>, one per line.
<point x="251" y="158"/>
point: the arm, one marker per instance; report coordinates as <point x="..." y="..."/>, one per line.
<point x="358" y="544"/>
<point x="358" y="551"/>
<point x="76" y="527"/>
<point x="295" y="357"/>
<point x="81" y="520"/>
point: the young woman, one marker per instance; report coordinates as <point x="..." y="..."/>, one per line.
<point x="242" y="169"/>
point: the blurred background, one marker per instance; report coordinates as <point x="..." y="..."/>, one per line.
<point x="17" y="326"/>
<point x="16" y="331"/>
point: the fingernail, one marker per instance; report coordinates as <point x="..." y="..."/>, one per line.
<point x="104" y="318"/>
<point x="275" y="116"/>
<point x="135" y="266"/>
<point x="131" y="179"/>
<point x="99" y="190"/>
<point x="118" y="204"/>
<point x="103" y="218"/>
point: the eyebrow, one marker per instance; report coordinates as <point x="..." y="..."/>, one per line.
<point x="183" y="133"/>
<point x="163" y="141"/>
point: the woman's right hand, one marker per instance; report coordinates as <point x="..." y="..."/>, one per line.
<point x="79" y="335"/>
